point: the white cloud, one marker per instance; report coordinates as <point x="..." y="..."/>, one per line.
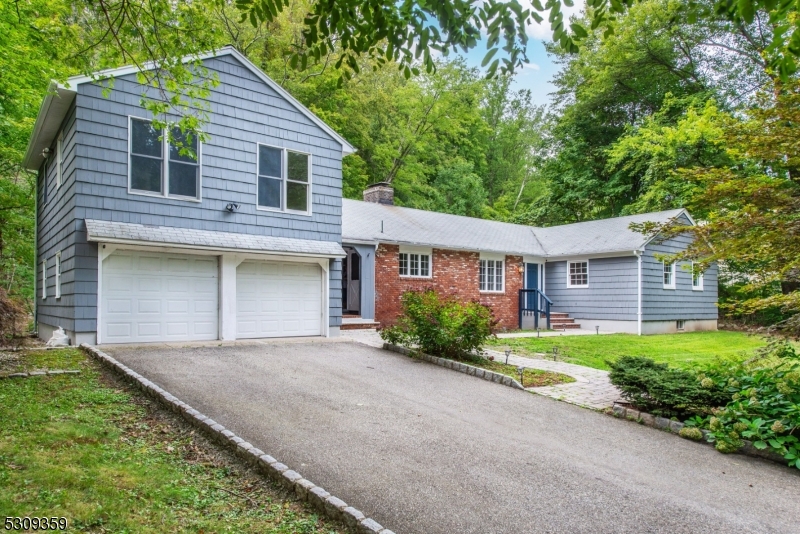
<point x="532" y="66"/>
<point x="544" y="30"/>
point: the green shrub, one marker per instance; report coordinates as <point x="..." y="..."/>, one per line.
<point x="765" y="402"/>
<point x="690" y="432"/>
<point x="441" y="326"/>
<point x="658" y="389"/>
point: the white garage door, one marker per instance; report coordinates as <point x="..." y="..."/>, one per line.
<point x="158" y="297"/>
<point x="277" y="299"/>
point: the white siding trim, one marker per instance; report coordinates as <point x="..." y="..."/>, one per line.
<point x="44" y="279"/>
<point x="639" y="255"/>
<point x="59" y="160"/>
<point x="58" y="275"/>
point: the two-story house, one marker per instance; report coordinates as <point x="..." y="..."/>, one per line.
<point x="136" y="242"/>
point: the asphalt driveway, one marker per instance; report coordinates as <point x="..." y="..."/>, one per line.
<point x="427" y="450"/>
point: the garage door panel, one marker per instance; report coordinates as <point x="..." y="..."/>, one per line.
<point x="278" y="299"/>
<point x="158" y="297"/>
<point x="149" y="306"/>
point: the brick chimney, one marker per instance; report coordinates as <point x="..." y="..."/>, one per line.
<point x="380" y="193"/>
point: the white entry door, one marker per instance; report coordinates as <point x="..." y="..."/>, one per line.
<point x="150" y="296"/>
<point x="278" y="299"/>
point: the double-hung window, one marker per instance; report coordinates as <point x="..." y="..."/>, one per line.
<point x="490" y="274"/>
<point x="158" y="167"/>
<point x="697" y="278"/>
<point x="578" y="273"/>
<point x="284" y="180"/>
<point x="669" y="275"/>
<point x="415" y="263"/>
<point x="58" y="274"/>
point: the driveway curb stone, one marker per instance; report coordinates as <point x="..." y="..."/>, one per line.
<point x="305" y="490"/>
<point x="674" y="427"/>
<point x="491" y="376"/>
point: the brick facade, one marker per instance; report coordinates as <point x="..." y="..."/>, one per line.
<point x="454" y="273"/>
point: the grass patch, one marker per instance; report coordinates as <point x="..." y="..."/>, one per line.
<point x="531" y="378"/>
<point x="679" y="350"/>
<point x="107" y="459"/>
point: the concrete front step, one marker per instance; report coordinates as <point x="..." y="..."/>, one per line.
<point x="351" y="323"/>
<point x="562" y="326"/>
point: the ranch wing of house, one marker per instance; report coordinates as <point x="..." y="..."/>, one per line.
<point x="597" y="275"/>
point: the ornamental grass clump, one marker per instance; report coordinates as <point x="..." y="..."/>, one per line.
<point x="441" y="326"/>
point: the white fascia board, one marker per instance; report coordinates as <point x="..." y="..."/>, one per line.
<point x="347" y="148"/>
<point x="366" y="242"/>
<point x="51" y="114"/>
<point x="445" y="247"/>
<point x="573" y="257"/>
<point x="132" y="244"/>
<point x="682" y="212"/>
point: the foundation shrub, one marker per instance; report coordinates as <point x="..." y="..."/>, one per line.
<point x="441" y="326"/>
<point x="661" y="390"/>
<point x="765" y="402"/>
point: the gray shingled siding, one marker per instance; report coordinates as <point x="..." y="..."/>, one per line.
<point x="612" y="293"/>
<point x="56" y="231"/>
<point x="335" y="292"/>
<point x="244" y="111"/>
<point x="659" y="304"/>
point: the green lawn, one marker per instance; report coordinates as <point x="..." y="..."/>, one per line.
<point x="108" y="460"/>
<point x="680" y="350"/>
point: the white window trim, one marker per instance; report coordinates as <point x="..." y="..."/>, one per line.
<point x="674" y="283"/>
<point x="44" y="279"/>
<point x="496" y="258"/>
<point x="285" y="181"/>
<point x="58" y="275"/>
<point x="421" y="252"/>
<point x="700" y="277"/>
<point x="680" y="325"/>
<point x="59" y="160"/>
<point x="569" y="283"/>
<point x="165" y="168"/>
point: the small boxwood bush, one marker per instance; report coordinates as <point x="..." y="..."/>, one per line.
<point x="661" y="390"/>
<point x="441" y="326"/>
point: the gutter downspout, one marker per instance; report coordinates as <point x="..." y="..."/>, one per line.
<point x="638" y="254"/>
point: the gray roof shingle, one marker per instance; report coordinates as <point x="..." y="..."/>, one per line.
<point x="367" y="221"/>
<point x="130" y="233"/>
<point x="371" y="222"/>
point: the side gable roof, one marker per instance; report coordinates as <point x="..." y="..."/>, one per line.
<point x="371" y="222"/>
<point x="378" y="223"/>
<point x="59" y="97"/>
<point x="602" y="236"/>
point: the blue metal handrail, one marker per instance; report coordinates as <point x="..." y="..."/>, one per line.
<point x="536" y="302"/>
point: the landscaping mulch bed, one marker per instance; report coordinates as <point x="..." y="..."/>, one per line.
<point x="532" y="378"/>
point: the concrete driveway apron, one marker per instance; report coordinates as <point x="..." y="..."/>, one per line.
<point x="426" y="450"/>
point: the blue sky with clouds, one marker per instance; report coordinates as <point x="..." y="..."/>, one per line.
<point x="538" y="74"/>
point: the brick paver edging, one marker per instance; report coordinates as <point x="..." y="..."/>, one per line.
<point x="471" y="370"/>
<point x="675" y="427"/>
<point x="30" y="374"/>
<point x="306" y="491"/>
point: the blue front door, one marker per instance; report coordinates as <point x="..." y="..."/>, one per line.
<point x="531" y="282"/>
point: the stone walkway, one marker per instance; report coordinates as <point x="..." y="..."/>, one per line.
<point x="591" y="389"/>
